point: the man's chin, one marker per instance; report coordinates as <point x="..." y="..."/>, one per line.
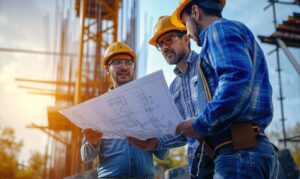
<point x="171" y="60"/>
<point x="123" y="81"/>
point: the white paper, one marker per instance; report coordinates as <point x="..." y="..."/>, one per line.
<point x="143" y="108"/>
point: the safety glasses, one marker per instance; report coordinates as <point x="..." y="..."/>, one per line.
<point x="168" y="40"/>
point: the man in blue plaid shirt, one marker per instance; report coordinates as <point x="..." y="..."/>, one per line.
<point x="240" y="108"/>
<point x="174" y="45"/>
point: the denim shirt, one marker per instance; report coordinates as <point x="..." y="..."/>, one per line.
<point x="120" y="159"/>
<point x="190" y="100"/>
<point x="236" y="71"/>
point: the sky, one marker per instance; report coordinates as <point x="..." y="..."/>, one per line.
<point x="29" y="25"/>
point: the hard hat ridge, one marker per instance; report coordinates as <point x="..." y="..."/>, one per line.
<point x="117" y="48"/>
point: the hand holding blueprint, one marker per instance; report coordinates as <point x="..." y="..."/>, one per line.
<point x="143" y="108"/>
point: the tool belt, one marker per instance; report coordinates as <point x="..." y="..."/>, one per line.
<point x="241" y="135"/>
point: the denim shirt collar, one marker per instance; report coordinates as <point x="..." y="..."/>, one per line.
<point x="191" y="58"/>
<point x="202" y="35"/>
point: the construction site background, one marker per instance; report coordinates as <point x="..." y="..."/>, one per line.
<point x="50" y="54"/>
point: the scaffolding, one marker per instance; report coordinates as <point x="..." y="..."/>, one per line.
<point x="79" y="77"/>
<point x="286" y="35"/>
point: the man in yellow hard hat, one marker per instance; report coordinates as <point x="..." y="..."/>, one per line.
<point x="239" y="91"/>
<point x="174" y="45"/>
<point x="117" y="157"/>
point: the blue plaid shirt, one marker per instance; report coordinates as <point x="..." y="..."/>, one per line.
<point x="120" y="159"/>
<point x="236" y="70"/>
<point x="190" y="101"/>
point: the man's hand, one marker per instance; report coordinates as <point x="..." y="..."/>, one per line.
<point x="93" y="137"/>
<point x="185" y="128"/>
<point x="149" y="144"/>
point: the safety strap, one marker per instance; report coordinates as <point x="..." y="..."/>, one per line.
<point x="202" y="140"/>
<point x="204" y="82"/>
<point x="238" y="132"/>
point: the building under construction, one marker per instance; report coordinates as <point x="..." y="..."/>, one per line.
<point x="285" y="36"/>
<point x="79" y="76"/>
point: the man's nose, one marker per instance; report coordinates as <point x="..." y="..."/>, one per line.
<point x="165" y="48"/>
<point x="123" y="65"/>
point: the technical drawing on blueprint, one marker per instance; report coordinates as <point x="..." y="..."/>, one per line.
<point x="143" y="108"/>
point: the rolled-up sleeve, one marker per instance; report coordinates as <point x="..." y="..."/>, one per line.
<point x="161" y="153"/>
<point x="88" y="151"/>
<point x="171" y="141"/>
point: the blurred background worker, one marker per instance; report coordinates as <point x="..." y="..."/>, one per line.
<point x="174" y="45"/>
<point x="240" y="106"/>
<point x="117" y="157"/>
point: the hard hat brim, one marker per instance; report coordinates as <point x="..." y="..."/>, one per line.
<point x="176" y="16"/>
<point x="107" y="58"/>
<point x="153" y="40"/>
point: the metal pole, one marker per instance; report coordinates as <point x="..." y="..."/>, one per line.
<point x="74" y="168"/>
<point x="115" y="19"/>
<point x="281" y="98"/>
<point x="78" y="82"/>
<point x="288" y="54"/>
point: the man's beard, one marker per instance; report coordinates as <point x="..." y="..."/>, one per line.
<point x="176" y="58"/>
<point x="121" y="80"/>
<point x="197" y="29"/>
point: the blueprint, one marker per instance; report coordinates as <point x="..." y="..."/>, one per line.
<point x="143" y="108"/>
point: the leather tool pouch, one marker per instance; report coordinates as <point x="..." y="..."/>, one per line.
<point x="242" y="135"/>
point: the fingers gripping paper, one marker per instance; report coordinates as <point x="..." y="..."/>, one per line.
<point x="143" y="108"/>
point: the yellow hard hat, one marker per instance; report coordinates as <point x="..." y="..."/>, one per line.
<point x="117" y="48"/>
<point x="162" y="26"/>
<point x="176" y="16"/>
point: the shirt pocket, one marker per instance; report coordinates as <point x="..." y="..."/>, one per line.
<point x="177" y="99"/>
<point x="198" y="94"/>
<point x="194" y="88"/>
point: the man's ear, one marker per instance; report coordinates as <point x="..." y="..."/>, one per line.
<point x="196" y="14"/>
<point x="107" y="71"/>
<point x="186" y="38"/>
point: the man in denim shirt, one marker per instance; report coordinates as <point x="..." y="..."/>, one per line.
<point x="118" y="158"/>
<point x="240" y="107"/>
<point x="174" y="45"/>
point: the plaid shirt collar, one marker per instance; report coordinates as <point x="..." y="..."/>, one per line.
<point x="190" y="60"/>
